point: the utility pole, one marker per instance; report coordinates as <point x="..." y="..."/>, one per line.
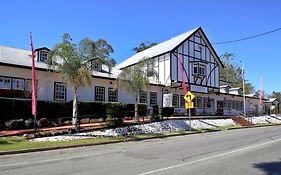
<point x="244" y="97"/>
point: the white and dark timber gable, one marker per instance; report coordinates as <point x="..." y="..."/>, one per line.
<point x="199" y="61"/>
<point x="191" y="50"/>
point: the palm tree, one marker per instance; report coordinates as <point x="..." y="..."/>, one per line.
<point x="72" y="62"/>
<point x="136" y="79"/>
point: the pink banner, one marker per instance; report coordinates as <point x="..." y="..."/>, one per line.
<point x="33" y="78"/>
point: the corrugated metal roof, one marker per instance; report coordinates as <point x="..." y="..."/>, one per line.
<point x="156" y="50"/>
<point x="22" y="58"/>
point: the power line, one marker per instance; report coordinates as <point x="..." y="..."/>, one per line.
<point x="250" y="37"/>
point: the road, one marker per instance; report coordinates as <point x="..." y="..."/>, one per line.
<point x="242" y="151"/>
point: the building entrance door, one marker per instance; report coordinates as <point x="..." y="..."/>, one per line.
<point x="220" y="108"/>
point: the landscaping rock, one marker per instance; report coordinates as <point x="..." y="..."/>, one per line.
<point x="15" y="124"/>
<point x="84" y="120"/>
<point x="29" y="124"/>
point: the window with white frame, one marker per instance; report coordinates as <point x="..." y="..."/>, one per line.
<point x="199" y="102"/>
<point x="96" y="66"/>
<point x="175" y="101"/>
<point x="99" y="93"/>
<point x="59" y="91"/>
<point x="112" y="95"/>
<point x="182" y="101"/>
<point x="153" y="98"/>
<point x="28" y="84"/>
<point x="5" y="82"/>
<point x="18" y="84"/>
<point x="143" y="97"/>
<point x="43" y="56"/>
<point x="199" y="69"/>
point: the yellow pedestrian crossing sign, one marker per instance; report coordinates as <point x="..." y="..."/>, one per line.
<point x="189" y="96"/>
<point x="189" y="105"/>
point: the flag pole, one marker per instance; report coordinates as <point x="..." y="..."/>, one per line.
<point x="260" y="95"/>
<point x="34" y="102"/>
<point x="184" y="87"/>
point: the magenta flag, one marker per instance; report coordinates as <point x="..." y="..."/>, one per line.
<point x="182" y="74"/>
<point x="260" y="95"/>
<point x="34" y="103"/>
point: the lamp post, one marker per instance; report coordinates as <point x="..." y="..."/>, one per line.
<point x="244" y="97"/>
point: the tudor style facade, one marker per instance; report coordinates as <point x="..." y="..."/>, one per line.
<point x="191" y="50"/>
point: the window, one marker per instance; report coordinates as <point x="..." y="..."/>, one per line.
<point x="182" y="101"/>
<point x="43" y="56"/>
<point x="28" y="84"/>
<point x="18" y="84"/>
<point x="153" y="98"/>
<point x="202" y="69"/>
<point x="96" y="66"/>
<point x="59" y="91"/>
<point x="175" y="101"/>
<point x="199" y="69"/>
<point x="99" y="93"/>
<point x="143" y="97"/>
<point x="112" y="95"/>
<point x="207" y="102"/>
<point x="5" y="83"/>
<point x="199" y="102"/>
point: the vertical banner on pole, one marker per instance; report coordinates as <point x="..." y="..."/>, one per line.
<point x="34" y="102"/>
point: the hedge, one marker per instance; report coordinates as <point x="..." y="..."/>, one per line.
<point x="20" y="109"/>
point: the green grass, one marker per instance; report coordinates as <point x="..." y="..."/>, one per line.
<point x="20" y="143"/>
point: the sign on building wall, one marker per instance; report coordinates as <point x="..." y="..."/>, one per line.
<point x="167" y="100"/>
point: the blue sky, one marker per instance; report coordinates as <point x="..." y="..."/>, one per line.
<point x="126" y="23"/>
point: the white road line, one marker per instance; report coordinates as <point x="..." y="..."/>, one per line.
<point x="208" y="158"/>
<point x="55" y="160"/>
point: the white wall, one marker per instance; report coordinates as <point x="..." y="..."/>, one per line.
<point x="45" y="89"/>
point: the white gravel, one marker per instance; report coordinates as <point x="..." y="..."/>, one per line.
<point x="266" y="119"/>
<point x="157" y="127"/>
<point x="60" y="138"/>
<point x="160" y="127"/>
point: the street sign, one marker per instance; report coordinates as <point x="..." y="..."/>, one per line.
<point x="189" y="105"/>
<point x="189" y="96"/>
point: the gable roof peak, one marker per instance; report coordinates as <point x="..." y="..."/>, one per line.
<point x="158" y="49"/>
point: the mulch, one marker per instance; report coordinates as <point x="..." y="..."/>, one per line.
<point x="88" y="126"/>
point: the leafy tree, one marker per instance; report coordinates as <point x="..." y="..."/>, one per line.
<point x="278" y="96"/>
<point x="72" y="62"/>
<point x="233" y="73"/>
<point x="264" y="94"/>
<point x="143" y="46"/>
<point x="136" y="79"/>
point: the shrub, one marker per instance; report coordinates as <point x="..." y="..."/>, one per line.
<point x="29" y="123"/>
<point x="43" y="122"/>
<point x="96" y="109"/>
<point x="115" y="110"/>
<point x="2" y="125"/>
<point x="114" y="122"/>
<point x="155" y="118"/>
<point x="155" y="110"/>
<point x="129" y="110"/>
<point x="15" y="124"/>
<point x="142" y="110"/>
<point x="167" y="111"/>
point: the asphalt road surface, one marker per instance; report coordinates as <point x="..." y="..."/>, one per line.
<point x="243" y="151"/>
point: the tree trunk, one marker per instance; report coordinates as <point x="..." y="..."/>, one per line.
<point x="137" y="107"/>
<point x="74" y="110"/>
